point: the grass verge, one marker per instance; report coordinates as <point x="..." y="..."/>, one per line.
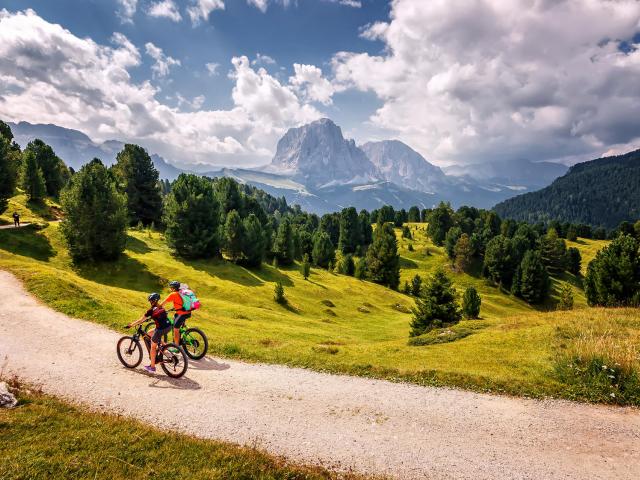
<point x="44" y="438"/>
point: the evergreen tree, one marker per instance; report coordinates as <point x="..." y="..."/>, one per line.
<point x="499" y="263"/>
<point x="573" y="260"/>
<point x="330" y="223"/>
<point x="323" y="251"/>
<point x="95" y="221"/>
<point x="636" y="229"/>
<point x="450" y="240"/>
<point x="572" y="233"/>
<point x="406" y="232"/>
<point x="283" y="245"/>
<point x="32" y="178"/>
<point x="440" y="221"/>
<point x="416" y="285"/>
<point x="533" y="278"/>
<point x="566" y="298"/>
<point x="233" y="236"/>
<point x="278" y="294"/>
<point x="138" y="178"/>
<point x="253" y="242"/>
<point x="366" y="231"/>
<point x="383" y="261"/>
<point x="436" y="307"/>
<point x="54" y="171"/>
<point x="228" y="194"/>
<point x="471" y="303"/>
<point x="462" y="253"/>
<point x="350" y="231"/>
<point x="613" y="276"/>
<point x="344" y="264"/>
<point x="386" y="214"/>
<point x="414" y="214"/>
<point x="305" y="267"/>
<point x="360" y="271"/>
<point x="9" y="163"/>
<point x="191" y="217"/>
<point x="553" y="250"/>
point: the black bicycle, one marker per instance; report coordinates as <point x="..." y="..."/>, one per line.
<point x="170" y="356"/>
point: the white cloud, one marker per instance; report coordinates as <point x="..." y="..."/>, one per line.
<point x="49" y="75"/>
<point x="212" y="68"/>
<point x="348" y="3"/>
<point x="478" y="79"/>
<point x="166" y="8"/>
<point x="127" y="10"/>
<point x="263" y="60"/>
<point x="196" y="103"/>
<point x="311" y="84"/>
<point x="163" y="62"/>
<point x="260" y="4"/>
<point x="200" y="9"/>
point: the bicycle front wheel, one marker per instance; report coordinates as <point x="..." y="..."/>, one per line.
<point x="129" y="352"/>
<point x="174" y="360"/>
<point x="195" y="343"/>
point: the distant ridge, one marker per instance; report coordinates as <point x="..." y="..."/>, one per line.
<point x="600" y="192"/>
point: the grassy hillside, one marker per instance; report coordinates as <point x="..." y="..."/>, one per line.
<point x="98" y="446"/>
<point x="30" y="211"/>
<point x="333" y="323"/>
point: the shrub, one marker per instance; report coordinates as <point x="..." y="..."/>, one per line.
<point x="436" y="307"/>
<point x="305" y="266"/>
<point x="92" y="236"/>
<point x="471" y="302"/>
<point x="613" y="276"/>
<point x="278" y="294"/>
<point x="416" y="285"/>
<point x="406" y="233"/>
<point x="360" y="271"/>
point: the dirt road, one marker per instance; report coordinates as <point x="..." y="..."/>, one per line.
<point x="340" y="422"/>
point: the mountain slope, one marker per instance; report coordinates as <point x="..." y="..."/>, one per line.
<point x="601" y="192"/>
<point x="400" y="164"/>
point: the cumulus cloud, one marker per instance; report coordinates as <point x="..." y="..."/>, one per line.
<point x="49" y="75"/>
<point x="312" y="85"/>
<point x="127" y="10"/>
<point x="199" y="10"/>
<point x="166" y="8"/>
<point x="478" y="79"/>
<point x="163" y="63"/>
<point x="212" y="68"/>
<point x="263" y="60"/>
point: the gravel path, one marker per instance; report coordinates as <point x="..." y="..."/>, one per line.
<point x="340" y="422"/>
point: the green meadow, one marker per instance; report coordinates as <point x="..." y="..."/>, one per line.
<point x="339" y="324"/>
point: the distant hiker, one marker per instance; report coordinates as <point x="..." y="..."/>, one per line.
<point x="16" y="219"/>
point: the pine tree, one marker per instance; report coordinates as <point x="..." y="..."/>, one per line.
<point x="414" y="215"/>
<point x="553" y="250"/>
<point x="138" y="178"/>
<point x="462" y="253"/>
<point x="233" y="236"/>
<point x="499" y="263"/>
<point x="323" y="251"/>
<point x="534" y="280"/>
<point x="407" y="288"/>
<point x="440" y="221"/>
<point x="278" y="294"/>
<point x="416" y="285"/>
<point x="228" y="195"/>
<point x="305" y="267"/>
<point x="566" y="298"/>
<point x="32" y="178"/>
<point x="406" y="232"/>
<point x="350" y="231"/>
<point x="54" y="171"/>
<point x="471" y="303"/>
<point x="95" y="221"/>
<point x="573" y="260"/>
<point x="450" y="240"/>
<point x="253" y="241"/>
<point x="613" y="276"/>
<point x="283" y="245"/>
<point x="366" y="231"/>
<point x="436" y="307"/>
<point x="9" y="163"/>
<point x="191" y="217"/>
<point x="360" y="271"/>
<point x="572" y="233"/>
<point x="383" y="261"/>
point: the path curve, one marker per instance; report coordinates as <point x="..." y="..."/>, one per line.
<point x="372" y="426"/>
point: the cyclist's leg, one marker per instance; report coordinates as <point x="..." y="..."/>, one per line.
<point x="178" y="323"/>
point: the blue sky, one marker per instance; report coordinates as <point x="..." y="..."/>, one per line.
<point x="219" y="81"/>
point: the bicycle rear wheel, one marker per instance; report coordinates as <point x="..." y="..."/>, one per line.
<point x="174" y="360"/>
<point x="195" y="343"/>
<point x="129" y="352"/>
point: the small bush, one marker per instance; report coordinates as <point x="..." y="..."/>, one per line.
<point x="566" y="298"/>
<point x="325" y="349"/>
<point x="278" y="294"/>
<point x="327" y="303"/>
<point x="362" y="309"/>
<point x="440" y="335"/>
<point x="471" y="303"/>
<point x="330" y="312"/>
<point x="401" y="308"/>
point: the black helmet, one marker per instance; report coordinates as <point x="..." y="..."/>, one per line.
<point x="154" y="297"/>
<point x="174" y="284"/>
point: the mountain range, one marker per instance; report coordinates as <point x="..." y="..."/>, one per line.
<point x="602" y="192"/>
<point x="316" y="167"/>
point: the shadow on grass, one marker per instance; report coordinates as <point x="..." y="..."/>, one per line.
<point x="125" y="272"/>
<point x="407" y="263"/>
<point x="41" y="209"/>
<point x="136" y="245"/>
<point x="27" y="242"/>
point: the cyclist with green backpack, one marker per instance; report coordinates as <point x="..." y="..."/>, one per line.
<point x="184" y="301"/>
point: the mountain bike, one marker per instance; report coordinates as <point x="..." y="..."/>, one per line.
<point x="169" y="356"/>
<point x="192" y="340"/>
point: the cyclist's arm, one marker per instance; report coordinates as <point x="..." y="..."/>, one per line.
<point x="138" y="322"/>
